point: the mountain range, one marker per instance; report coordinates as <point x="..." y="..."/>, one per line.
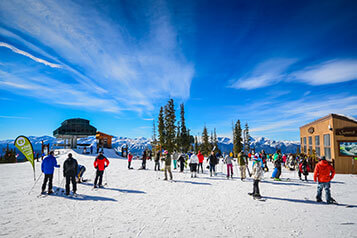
<point x="138" y="145"/>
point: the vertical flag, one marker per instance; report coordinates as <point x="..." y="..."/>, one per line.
<point x="24" y="145"/>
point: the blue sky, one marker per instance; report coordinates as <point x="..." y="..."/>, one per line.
<point x="274" y="64"/>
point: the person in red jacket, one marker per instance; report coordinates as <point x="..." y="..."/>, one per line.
<point x="100" y="163"/>
<point x="201" y="158"/>
<point x="130" y="158"/>
<point x="323" y="174"/>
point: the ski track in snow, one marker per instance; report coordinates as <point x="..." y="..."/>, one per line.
<point x="138" y="204"/>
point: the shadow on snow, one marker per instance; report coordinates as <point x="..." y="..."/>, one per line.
<point x="307" y="201"/>
<point x="117" y="189"/>
<point x="192" y="182"/>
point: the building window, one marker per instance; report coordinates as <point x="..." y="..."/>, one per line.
<point x="327" y="146"/>
<point x="304" y="140"/>
<point x="317" y="145"/>
<point x="310" y="145"/>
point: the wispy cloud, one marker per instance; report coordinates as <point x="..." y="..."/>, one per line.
<point x="14" y="117"/>
<point x="265" y="74"/>
<point x="106" y="55"/>
<point x="334" y="71"/>
<point x="47" y="89"/>
<point x="274" y="71"/>
<point x="21" y="52"/>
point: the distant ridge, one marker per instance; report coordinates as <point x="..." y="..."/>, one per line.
<point x="138" y="145"/>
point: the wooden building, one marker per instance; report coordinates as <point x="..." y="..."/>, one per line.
<point x="335" y="137"/>
<point x="104" y="140"/>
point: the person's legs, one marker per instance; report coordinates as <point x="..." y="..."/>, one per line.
<point x="175" y="164"/>
<point x="129" y="162"/>
<point x="67" y="184"/>
<point x="210" y="169"/>
<point x="50" y="179"/>
<point x="230" y="167"/>
<point x="319" y="192"/>
<point x="165" y="169"/>
<point x="278" y="173"/>
<point x="44" y="183"/>
<point x="96" y="178"/>
<point x="169" y="169"/>
<point x="100" y="177"/>
<point x="74" y="184"/>
<point x="327" y="192"/>
<point x="256" y="188"/>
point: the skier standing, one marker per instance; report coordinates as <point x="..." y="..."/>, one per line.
<point x="48" y="165"/>
<point x="70" y="168"/>
<point x="130" y="158"/>
<point x="182" y="160"/>
<point x="201" y="158"/>
<point x="157" y="160"/>
<point x="167" y="164"/>
<point x="257" y="176"/>
<point x="304" y="168"/>
<point x="174" y="158"/>
<point x="228" y="161"/>
<point x="212" y="163"/>
<point x="277" y="164"/>
<point x="323" y="174"/>
<point x="193" y="165"/>
<point x="100" y="163"/>
<point x="242" y="161"/>
<point x="143" y="164"/>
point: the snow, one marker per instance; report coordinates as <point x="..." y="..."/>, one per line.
<point x="138" y="203"/>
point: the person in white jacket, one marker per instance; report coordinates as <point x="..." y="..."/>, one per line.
<point x="257" y="174"/>
<point x="193" y="165"/>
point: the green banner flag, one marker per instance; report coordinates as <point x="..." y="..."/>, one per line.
<point x="24" y="145"/>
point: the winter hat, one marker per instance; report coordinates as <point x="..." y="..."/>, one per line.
<point x="323" y="158"/>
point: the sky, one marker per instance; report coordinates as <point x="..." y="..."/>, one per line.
<point x="275" y="65"/>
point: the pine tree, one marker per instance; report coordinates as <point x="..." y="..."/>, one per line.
<point x="170" y="128"/>
<point x="196" y="145"/>
<point x="185" y="135"/>
<point x="161" y="129"/>
<point x="178" y="139"/>
<point x="154" y="141"/>
<point x="205" y="145"/>
<point x="237" y="138"/>
<point x="215" y="140"/>
<point x="247" y="138"/>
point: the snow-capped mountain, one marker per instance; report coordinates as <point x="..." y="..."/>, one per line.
<point x="138" y="145"/>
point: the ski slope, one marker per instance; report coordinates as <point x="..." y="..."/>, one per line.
<point x="139" y="203"/>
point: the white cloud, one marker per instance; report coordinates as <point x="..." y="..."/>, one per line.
<point x="265" y="74"/>
<point x="21" y="52"/>
<point x="14" y="117"/>
<point x="335" y="71"/>
<point x="104" y="55"/>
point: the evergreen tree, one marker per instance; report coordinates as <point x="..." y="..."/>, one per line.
<point x="205" y="145"/>
<point x="237" y="138"/>
<point x="185" y="135"/>
<point x="178" y="139"/>
<point x="215" y="140"/>
<point x="170" y="128"/>
<point x="196" y="145"/>
<point x="161" y="129"/>
<point x="154" y="141"/>
<point x="247" y="138"/>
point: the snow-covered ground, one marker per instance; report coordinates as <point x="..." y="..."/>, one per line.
<point x="137" y="203"/>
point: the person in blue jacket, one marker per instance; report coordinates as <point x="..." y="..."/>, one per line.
<point x="48" y="165"/>
<point x="80" y="171"/>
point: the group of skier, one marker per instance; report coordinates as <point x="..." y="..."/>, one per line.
<point x="72" y="172"/>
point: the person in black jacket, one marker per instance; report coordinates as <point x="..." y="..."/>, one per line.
<point x="182" y="160"/>
<point x="70" y="168"/>
<point x="212" y="163"/>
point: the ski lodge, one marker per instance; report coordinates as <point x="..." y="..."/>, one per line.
<point x="72" y="129"/>
<point x="335" y="137"/>
<point x="104" y="140"/>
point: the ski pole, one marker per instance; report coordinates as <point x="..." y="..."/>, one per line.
<point x="35" y="183"/>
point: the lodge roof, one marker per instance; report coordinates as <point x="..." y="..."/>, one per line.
<point x="103" y="134"/>
<point x="333" y="115"/>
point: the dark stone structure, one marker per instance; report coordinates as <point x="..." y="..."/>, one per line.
<point x="72" y="129"/>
